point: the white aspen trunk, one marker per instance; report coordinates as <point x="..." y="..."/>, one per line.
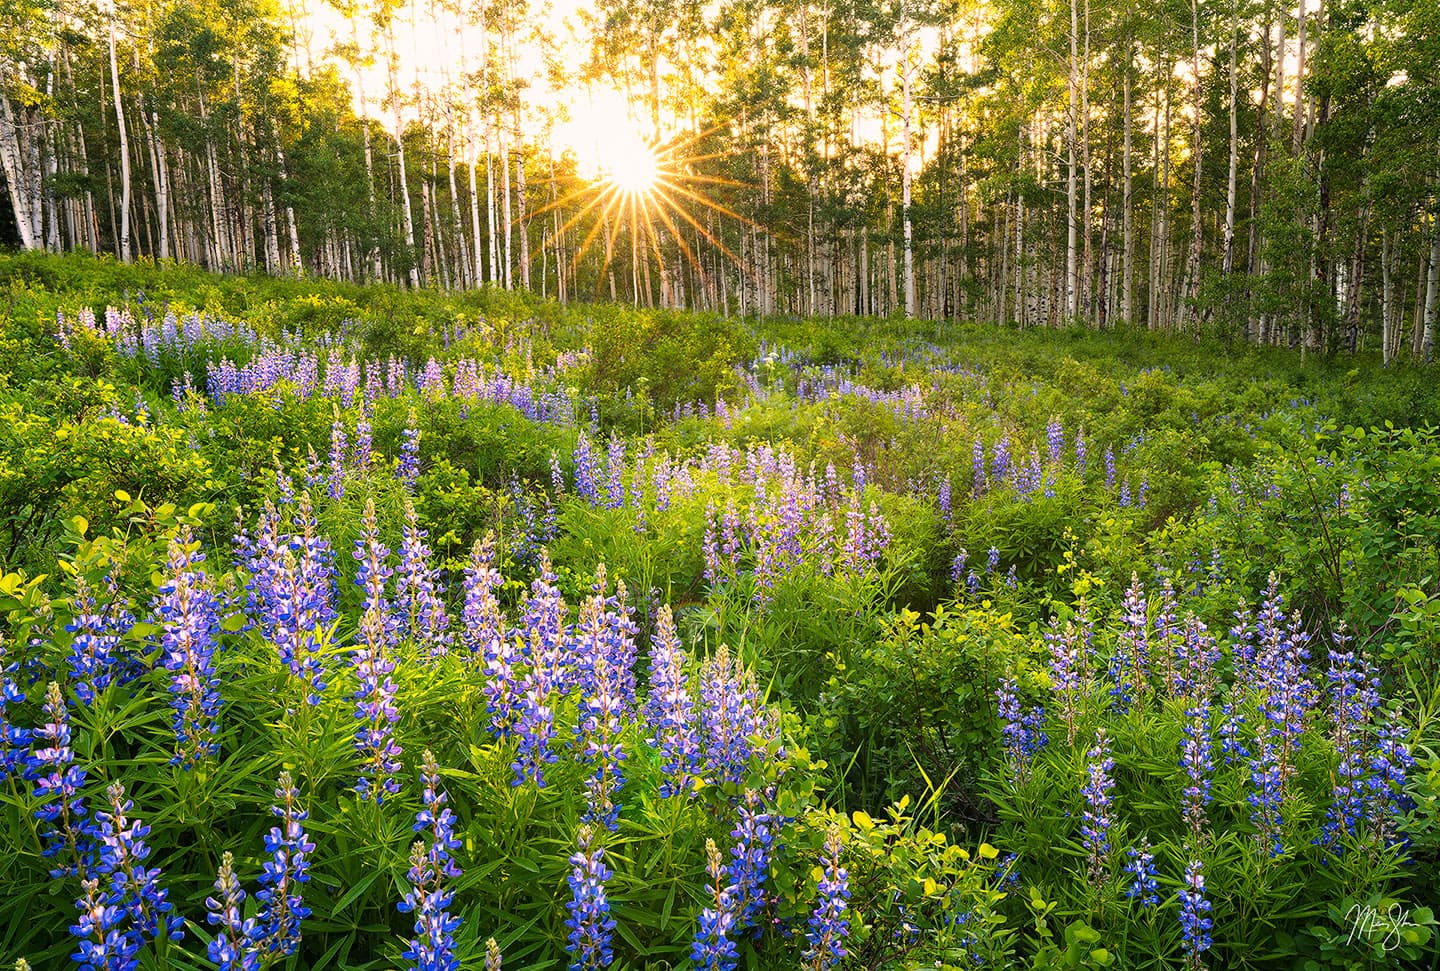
<point x="1297" y="133"/>
<point x="407" y="215"/>
<point x="906" y="71"/>
<point x="1233" y="170"/>
<point x="1197" y="240"/>
<point x="291" y="232"/>
<point x="1127" y="219"/>
<point x="124" y="241"/>
<point x="22" y="185"/>
<point x="1432" y="293"/>
<point x="1072" y="111"/>
<point x="505" y="188"/>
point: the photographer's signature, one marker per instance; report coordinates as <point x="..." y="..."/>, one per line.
<point x="1366" y="921"/>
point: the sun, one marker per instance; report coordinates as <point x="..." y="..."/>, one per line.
<point x="627" y="161"/>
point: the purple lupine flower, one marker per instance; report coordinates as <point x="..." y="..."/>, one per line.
<point x="407" y="470"/>
<point x="14" y="740"/>
<point x="432" y="866"/>
<point x="282" y="905"/>
<point x="557" y="477"/>
<point x="1130" y="663"/>
<point x="482" y="623"/>
<point x="94" y="657"/>
<point x="1081" y="452"/>
<point x="749" y="866"/>
<point x="1022" y="734"/>
<point x="943" y="499"/>
<point x="375" y="710"/>
<point x="1196" y="760"/>
<point x="374" y="560"/>
<point x="825" y="940"/>
<point x="545" y="677"/>
<point x="1109" y="468"/>
<point x="586" y="486"/>
<point x="978" y="467"/>
<point x="714" y="947"/>
<point x="599" y="726"/>
<point x="1352" y="697"/>
<point x="1068" y="672"/>
<point x="1000" y="460"/>
<point x="230" y="948"/>
<point x="417" y="599"/>
<point x="615" y="473"/>
<point x="957" y="566"/>
<point x="1140" y="867"/>
<point x="728" y="716"/>
<point x="362" y="455"/>
<point x="1195" y="923"/>
<point x="337" y="457"/>
<point x="133" y="888"/>
<point x="992" y="560"/>
<point x="492" y="955"/>
<point x="590" y="924"/>
<point x="189" y="613"/>
<point x="1099" y="804"/>
<point x="69" y="831"/>
<point x="670" y="709"/>
<point x="1054" y="439"/>
<point x="1232" y="747"/>
<point x="103" y="946"/>
<point x="1390" y="763"/>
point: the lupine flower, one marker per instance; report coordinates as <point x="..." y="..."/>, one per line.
<point x="1022" y="734"/>
<point x="728" y="716"/>
<point x="590" y="924"/>
<point x="94" y="656"/>
<point x="992" y="560"/>
<point x="1390" y="763"/>
<point x="431" y="868"/>
<point x="492" y="955"/>
<point x="482" y="624"/>
<point x="407" y="470"/>
<point x="230" y="947"/>
<point x="670" y="709"/>
<point x="14" y="740"/>
<point x="1352" y="697"/>
<point x="714" y="948"/>
<point x="362" y="449"/>
<point x="189" y="614"/>
<point x="1140" y="867"/>
<point x="957" y="566"/>
<point x="375" y="710"/>
<point x="599" y="725"/>
<point x="1080" y="453"/>
<point x="135" y="889"/>
<point x="374" y="568"/>
<point x="69" y="832"/>
<point x="828" y="924"/>
<point x="282" y="906"/>
<point x="585" y="484"/>
<point x="545" y="676"/>
<point x="103" y="946"/>
<point x="1195" y="923"/>
<point x="1068" y="673"/>
<point x="749" y="866"/>
<point x="1095" y="830"/>
<point x="1197" y="762"/>
<point x="417" y="599"/>
<point x="1054" y="439"/>
<point x="1109" y="468"/>
<point x="1130" y="663"/>
<point x="337" y="457"/>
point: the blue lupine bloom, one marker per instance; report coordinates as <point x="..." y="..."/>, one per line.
<point x="728" y="716"/>
<point x="282" y="905"/>
<point x="957" y="566"/>
<point x="714" y="948"/>
<point x="1054" y="438"/>
<point x="670" y="709"/>
<point x="615" y="472"/>
<point x="407" y="470"/>
<point x="374" y="562"/>
<point x="1390" y="762"/>
<point x="1000" y="460"/>
<point x="1195" y="923"/>
<point x="431" y="867"/>
<point x="829" y="926"/>
<point x="1198" y="764"/>
<point x="992" y="560"/>
<point x="1140" y="867"/>
<point x="590" y="924"/>
<point x="1130" y="663"/>
<point x="599" y="726"/>
<point x="1080" y="453"/>
<point x="1353" y="695"/>
<point x="749" y="866"/>
<point x="492" y="955"/>
<point x="376" y="711"/>
<point x="95" y="658"/>
<point x="69" y="831"/>
<point x="544" y="678"/>
<point x="337" y="457"/>
<point x="1099" y="805"/>
<point x="1067" y="671"/>
<point x="103" y="946"/>
<point x="189" y="613"/>
<point x="230" y="948"/>
<point x="417" y="583"/>
<point x="292" y="589"/>
<point x="1109" y="468"/>
<point x="943" y="498"/>
<point x="1022" y="734"/>
<point x="978" y="466"/>
<point x="361" y="452"/>
<point x="14" y="740"/>
<point x="585" y="483"/>
<point x="133" y="888"/>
